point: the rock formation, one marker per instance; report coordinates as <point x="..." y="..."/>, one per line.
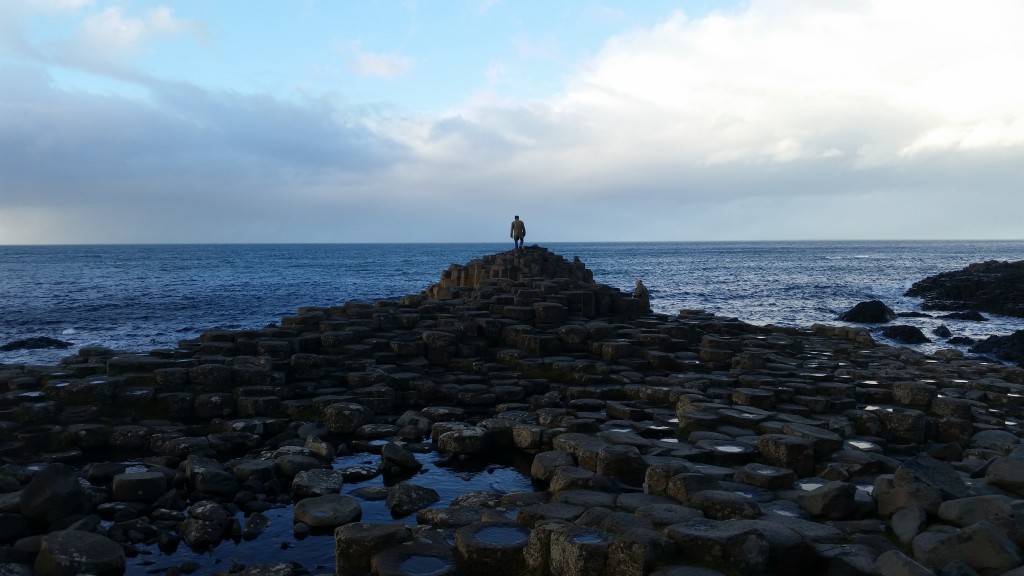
<point x="993" y="286"/>
<point x="689" y="444"/>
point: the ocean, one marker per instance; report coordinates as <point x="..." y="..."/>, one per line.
<point x="143" y="297"/>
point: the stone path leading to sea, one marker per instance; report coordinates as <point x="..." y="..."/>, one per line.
<point x="691" y="444"/>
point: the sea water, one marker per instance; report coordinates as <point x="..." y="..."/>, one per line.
<point x="142" y="297"/>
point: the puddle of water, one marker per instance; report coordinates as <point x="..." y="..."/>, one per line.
<point x="810" y="484"/>
<point x="278" y="544"/>
<point x="864" y="445"/>
<point x="508" y="535"/>
<point x="425" y="566"/>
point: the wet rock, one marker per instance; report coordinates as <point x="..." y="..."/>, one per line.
<point x="535" y="514"/>
<point x="834" y="500"/>
<point x="721" y="544"/>
<point x="73" y="552"/>
<point x="982" y="546"/>
<point x="636" y="551"/>
<point x="405" y="498"/>
<point x="328" y="511"/>
<point x="765" y="476"/>
<point x="319" y="448"/>
<point x="255" y="524"/>
<point x="870" y="312"/>
<point x="465" y="441"/>
<point x="207" y="524"/>
<point x="346" y="417"/>
<point x="355" y="544"/>
<point x="316" y="482"/>
<point x="685" y="487"/>
<point x="546" y="463"/>
<point x="397" y="457"/>
<point x="796" y="454"/>
<point x="905" y="334"/>
<point x="725" y="505"/>
<point x="988" y="286"/>
<point x="414" y="558"/>
<point x="52" y="494"/>
<point x="1009" y="348"/>
<point x="35" y="343"/>
<point x="492" y="548"/>
<point x="139" y="486"/>
<point x="577" y="551"/>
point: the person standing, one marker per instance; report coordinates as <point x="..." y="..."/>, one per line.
<point x="641" y="294"/>
<point x="517" y="233"/>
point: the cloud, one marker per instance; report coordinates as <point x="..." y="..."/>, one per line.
<point x="774" y="120"/>
<point x="111" y="35"/>
<point x="386" y="66"/>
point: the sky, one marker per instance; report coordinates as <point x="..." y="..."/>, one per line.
<point x="222" y="121"/>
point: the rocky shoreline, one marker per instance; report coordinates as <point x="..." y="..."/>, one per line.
<point x="691" y="444"/>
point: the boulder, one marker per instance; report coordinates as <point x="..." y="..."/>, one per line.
<point x="328" y="511"/>
<point x="52" y="494"/>
<point x="905" y="334"/>
<point x="35" y="343"/>
<point x="870" y="312"/>
<point x="139" y="486"/>
<point x="316" y="482"/>
<point x="206" y="525"/>
<point x="405" y="498"/>
<point x="395" y="455"/>
<point x="73" y="552"/>
<point x="983" y="546"/>
<point x="1007" y="473"/>
<point x="834" y="500"/>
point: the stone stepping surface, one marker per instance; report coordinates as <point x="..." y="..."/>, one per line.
<point x="686" y="444"/>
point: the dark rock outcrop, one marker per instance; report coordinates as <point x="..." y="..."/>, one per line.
<point x="905" y="334"/>
<point x="1009" y="348"/>
<point x="35" y="343"/>
<point x="993" y="286"/>
<point x="870" y="312"/>
<point x="970" y="315"/>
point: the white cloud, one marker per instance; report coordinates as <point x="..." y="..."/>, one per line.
<point x="378" y="65"/>
<point x="111" y="35"/>
<point x="781" y="119"/>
